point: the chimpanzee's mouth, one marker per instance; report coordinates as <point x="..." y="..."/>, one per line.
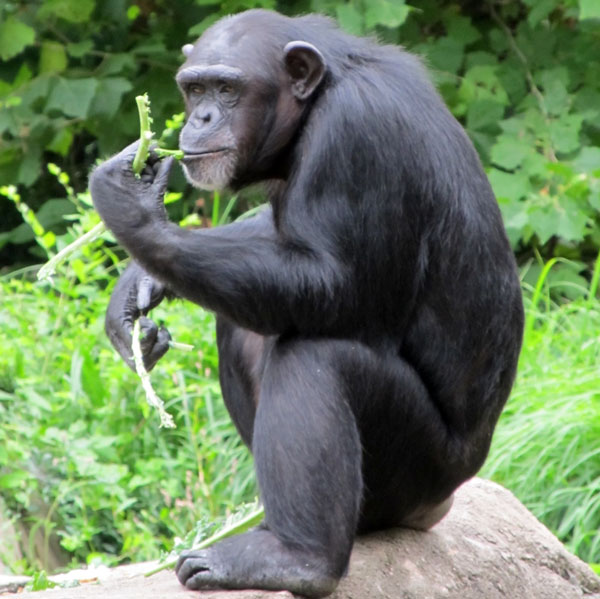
<point x="204" y="153"/>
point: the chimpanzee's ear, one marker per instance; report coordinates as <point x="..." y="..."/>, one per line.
<point x="305" y="66"/>
<point x="187" y="49"/>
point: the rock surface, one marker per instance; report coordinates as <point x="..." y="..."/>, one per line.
<point x="488" y="547"/>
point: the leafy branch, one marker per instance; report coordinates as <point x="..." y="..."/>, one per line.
<point x="535" y="90"/>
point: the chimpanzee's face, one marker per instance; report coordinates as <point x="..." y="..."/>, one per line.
<point x="243" y="103"/>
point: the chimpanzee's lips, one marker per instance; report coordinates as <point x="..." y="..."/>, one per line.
<point x="203" y="153"/>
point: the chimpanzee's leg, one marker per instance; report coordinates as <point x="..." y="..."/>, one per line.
<point x="308" y="461"/>
<point x="412" y="459"/>
<point x="333" y="417"/>
<point x="241" y="362"/>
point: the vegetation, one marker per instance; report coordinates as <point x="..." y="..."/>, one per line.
<point x="546" y="447"/>
<point x="82" y="459"/>
<point x="523" y="77"/>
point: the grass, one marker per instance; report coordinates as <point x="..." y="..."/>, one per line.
<point x="82" y="458"/>
<point x="546" y="448"/>
<point x="81" y="453"/>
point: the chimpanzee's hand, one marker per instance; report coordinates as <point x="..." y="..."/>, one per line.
<point x="128" y="203"/>
<point x="134" y="295"/>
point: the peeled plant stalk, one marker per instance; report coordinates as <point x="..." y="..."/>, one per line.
<point x="141" y="156"/>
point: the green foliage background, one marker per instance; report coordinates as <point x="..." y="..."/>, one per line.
<point x="522" y="76"/>
<point x="81" y="461"/>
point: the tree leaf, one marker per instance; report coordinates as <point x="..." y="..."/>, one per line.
<point x="572" y="224"/>
<point x="588" y="160"/>
<point x="540" y="9"/>
<point x="14" y="37"/>
<point x="72" y="97"/>
<point x="389" y="13"/>
<point x="53" y="57"/>
<point x="350" y="19"/>
<point x="446" y="54"/>
<point x="483" y="115"/>
<point x="556" y="97"/>
<point x="460" y="28"/>
<point x="509" y="152"/>
<point x="589" y="9"/>
<point x="564" y="132"/>
<point x="512" y="186"/>
<point x="515" y="218"/>
<point x="74" y="11"/>
<point x="80" y="49"/>
<point x="107" y="98"/>
<point x="61" y="142"/>
<point x="545" y="221"/>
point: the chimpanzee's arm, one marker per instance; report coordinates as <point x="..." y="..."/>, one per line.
<point x="244" y="271"/>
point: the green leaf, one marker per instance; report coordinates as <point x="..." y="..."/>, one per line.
<point x="61" y="142"/>
<point x="72" y="97"/>
<point x="554" y="83"/>
<point x="80" y="49"/>
<point x="515" y="218"/>
<point x="512" y="77"/>
<point x="587" y="104"/>
<point x="446" y="54"/>
<point x="389" y="13"/>
<point x="483" y="83"/>
<point x="133" y="12"/>
<point x="350" y="19"/>
<point x="484" y="114"/>
<point x="14" y="37"/>
<point x="460" y="28"/>
<point x="564" y="132"/>
<point x="53" y="57"/>
<point x="588" y="160"/>
<point x="115" y="64"/>
<point x="589" y="9"/>
<point x="545" y="221"/>
<point x="30" y="167"/>
<point x="41" y="582"/>
<point x="512" y="186"/>
<point x="540" y="9"/>
<point x="573" y="221"/>
<point x="107" y="98"/>
<point x="509" y="152"/>
<point x="74" y="11"/>
<point x="13" y="479"/>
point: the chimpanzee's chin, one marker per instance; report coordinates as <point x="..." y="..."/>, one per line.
<point x="207" y="173"/>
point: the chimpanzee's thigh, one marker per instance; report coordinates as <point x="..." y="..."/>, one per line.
<point x="405" y="444"/>
<point x="408" y="453"/>
<point x="241" y="364"/>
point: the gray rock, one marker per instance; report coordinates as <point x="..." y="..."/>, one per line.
<point x="488" y="547"/>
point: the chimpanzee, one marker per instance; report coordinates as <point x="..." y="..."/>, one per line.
<point x="368" y="322"/>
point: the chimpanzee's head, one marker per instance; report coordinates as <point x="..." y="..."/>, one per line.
<point x="246" y="84"/>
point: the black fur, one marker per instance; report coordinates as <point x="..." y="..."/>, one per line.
<point x="369" y="322"/>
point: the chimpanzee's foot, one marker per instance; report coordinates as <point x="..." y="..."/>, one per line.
<point x="256" y="560"/>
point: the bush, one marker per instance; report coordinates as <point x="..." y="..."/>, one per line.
<point x="523" y="77"/>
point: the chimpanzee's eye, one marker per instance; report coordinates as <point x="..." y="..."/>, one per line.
<point x="196" y="89"/>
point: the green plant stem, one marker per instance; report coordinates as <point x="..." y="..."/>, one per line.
<point x="48" y="269"/>
<point x="163" y="153"/>
<point x="243" y="525"/>
<point x="141" y="156"/>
